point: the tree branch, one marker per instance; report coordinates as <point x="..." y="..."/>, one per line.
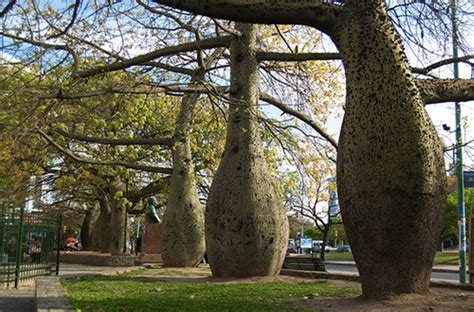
<point x="7" y="8"/>
<point x="446" y="90"/>
<point x="209" y="43"/>
<point x="121" y="141"/>
<point x="271" y="100"/>
<point x="168" y="67"/>
<point x="426" y="70"/>
<point x="296" y="57"/>
<point x="318" y="13"/>
<point x="102" y="163"/>
<point x="76" y="5"/>
<point x="151" y="189"/>
<point x="62" y="95"/>
<point x="48" y="46"/>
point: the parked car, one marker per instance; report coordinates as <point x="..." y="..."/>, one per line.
<point x="292" y="248"/>
<point x="343" y="248"/>
<point x="317" y="246"/>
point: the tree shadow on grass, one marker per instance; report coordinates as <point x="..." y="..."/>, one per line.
<point x="140" y="279"/>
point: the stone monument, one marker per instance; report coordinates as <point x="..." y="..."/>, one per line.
<point x="151" y="239"/>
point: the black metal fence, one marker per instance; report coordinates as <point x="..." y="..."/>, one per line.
<point x="27" y="245"/>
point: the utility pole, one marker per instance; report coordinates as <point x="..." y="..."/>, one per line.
<point x="459" y="162"/>
<point x="471" y="217"/>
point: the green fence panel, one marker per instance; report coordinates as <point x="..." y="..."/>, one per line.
<point x="26" y="252"/>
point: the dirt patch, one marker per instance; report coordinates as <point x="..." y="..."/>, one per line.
<point x="410" y="303"/>
<point x="261" y="279"/>
<point x="439" y="299"/>
<point x="201" y="275"/>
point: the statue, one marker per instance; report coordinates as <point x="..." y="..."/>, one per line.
<point x="151" y="216"/>
<point x="152" y="237"/>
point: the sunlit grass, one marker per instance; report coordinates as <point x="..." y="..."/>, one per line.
<point x="448" y="257"/>
<point x="138" y="293"/>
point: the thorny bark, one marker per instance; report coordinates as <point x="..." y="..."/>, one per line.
<point x="246" y="223"/>
<point x="183" y="223"/>
<point x="391" y="175"/>
<point x="390" y="168"/>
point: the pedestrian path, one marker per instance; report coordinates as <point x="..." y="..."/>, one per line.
<point x="69" y="269"/>
<point x="21" y="300"/>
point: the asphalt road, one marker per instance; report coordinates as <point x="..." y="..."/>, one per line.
<point x="352" y="269"/>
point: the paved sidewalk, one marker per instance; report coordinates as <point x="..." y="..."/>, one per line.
<point x="69" y="269"/>
<point x="50" y="295"/>
<point x="21" y="300"/>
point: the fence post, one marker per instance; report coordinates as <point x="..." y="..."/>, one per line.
<point x="19" y="248"/>
<point x="58" y="242"/>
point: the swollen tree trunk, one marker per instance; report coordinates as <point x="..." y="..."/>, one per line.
<point x="118" y="215"/>
<point x="390" y="175"/>
<point x="246" y="223"/>
<point x="101" y="232"/>
<point x="88" y="225"/>
<point x="183" y="223"/>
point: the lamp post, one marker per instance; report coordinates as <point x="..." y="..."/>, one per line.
<point x="471" y="234"/>
<point x="459" y="162"/>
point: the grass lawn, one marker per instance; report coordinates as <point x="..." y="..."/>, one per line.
<point x="446" y="257"/>
<point x="132" y="292"/>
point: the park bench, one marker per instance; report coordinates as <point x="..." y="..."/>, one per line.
<point x="308" y="263"/>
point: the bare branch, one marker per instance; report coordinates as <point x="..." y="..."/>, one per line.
<point x="125" y="164"/>
<point x="271" y="100"/>
<point x="48" y="46"/>
<point x="62" y="95"/>
<point x="168" y="67"/>
<point x="209" y="43"/>
<point x="226" y="29"/>
<point x="76" y="5"/>
<point x="426" y="70"/>
<point x="121" y="141"/>
<point x="7" y="8"/>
